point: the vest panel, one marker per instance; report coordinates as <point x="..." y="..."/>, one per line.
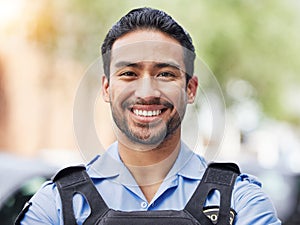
<point x="164" y="217"/>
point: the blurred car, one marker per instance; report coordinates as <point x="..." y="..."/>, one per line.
<point x="294" y="217"/>
<point x="20" y="179"/>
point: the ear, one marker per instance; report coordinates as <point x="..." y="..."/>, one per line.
<point x="105" y="89"/>
<point x="192" y="89"/>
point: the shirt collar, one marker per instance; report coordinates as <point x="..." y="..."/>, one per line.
<point x="107" y="165"/>
<point x="188" y="164"/>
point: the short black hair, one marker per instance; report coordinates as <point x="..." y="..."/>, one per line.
<point x="148" y="18"/>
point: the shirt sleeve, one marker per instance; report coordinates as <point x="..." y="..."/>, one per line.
<point x="252" y="205"/>
<point x="44" y="207"/>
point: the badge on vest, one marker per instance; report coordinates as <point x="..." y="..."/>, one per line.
<point x="212" y="213"/>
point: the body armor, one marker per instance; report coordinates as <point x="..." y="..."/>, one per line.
<point x="218" y="176"/>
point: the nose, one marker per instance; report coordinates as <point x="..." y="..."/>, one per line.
<point x="147" y="88"/>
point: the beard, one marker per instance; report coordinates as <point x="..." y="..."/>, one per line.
<point x="147" y="133"/>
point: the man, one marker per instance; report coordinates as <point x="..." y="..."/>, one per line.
<point x="148" y="64"/>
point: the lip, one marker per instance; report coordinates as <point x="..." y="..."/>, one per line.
<point x="148" y="107"/>
<point x="148" y="119"/>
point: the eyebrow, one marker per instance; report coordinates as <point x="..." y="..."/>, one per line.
<point x="168" y="64"/>
<point x="122" y="64"/>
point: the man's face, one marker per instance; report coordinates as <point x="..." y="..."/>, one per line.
<point x="147" y="89"/>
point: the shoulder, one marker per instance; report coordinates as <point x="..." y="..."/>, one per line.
<point x="252" y="204"/>
<point x="44" y="206"/>
<point x="48" y="193"/>
<point x="247" y="186"/>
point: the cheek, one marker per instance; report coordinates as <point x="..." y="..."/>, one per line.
<point x="116" y="90"/>
<point x="175" y="93"/>
<point x="120" y="93"/>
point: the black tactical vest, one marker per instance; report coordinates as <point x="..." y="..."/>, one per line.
<point x="218" y="176"/>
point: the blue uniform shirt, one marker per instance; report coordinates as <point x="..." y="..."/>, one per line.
<point x="121" y="192"/>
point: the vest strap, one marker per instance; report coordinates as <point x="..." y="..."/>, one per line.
<point x="73" y="180"/>
<point x="218" y="176"/>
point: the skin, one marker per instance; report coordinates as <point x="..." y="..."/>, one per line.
<point x="150" y="79"/>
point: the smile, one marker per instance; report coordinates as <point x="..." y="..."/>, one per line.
<point x="146" y="113"/>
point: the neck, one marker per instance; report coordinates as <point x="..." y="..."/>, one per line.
<point x="150" y="167"/>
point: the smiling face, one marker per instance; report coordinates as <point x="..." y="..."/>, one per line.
<point x="147" y="89"/>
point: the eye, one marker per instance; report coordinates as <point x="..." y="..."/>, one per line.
<point x="128" y="74"/>
<point x="166" y="75"/>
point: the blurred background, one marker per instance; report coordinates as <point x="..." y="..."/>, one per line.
<point x="252" y="47"/>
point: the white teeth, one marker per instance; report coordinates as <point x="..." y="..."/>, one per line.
<point x="146" y="113"/>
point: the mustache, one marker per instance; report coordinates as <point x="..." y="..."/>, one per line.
<point x="150" y="101"/>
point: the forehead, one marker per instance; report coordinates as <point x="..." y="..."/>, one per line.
<point x="147" y="45"/>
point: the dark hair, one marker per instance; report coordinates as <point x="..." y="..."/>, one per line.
<point x="148" y="18"/>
